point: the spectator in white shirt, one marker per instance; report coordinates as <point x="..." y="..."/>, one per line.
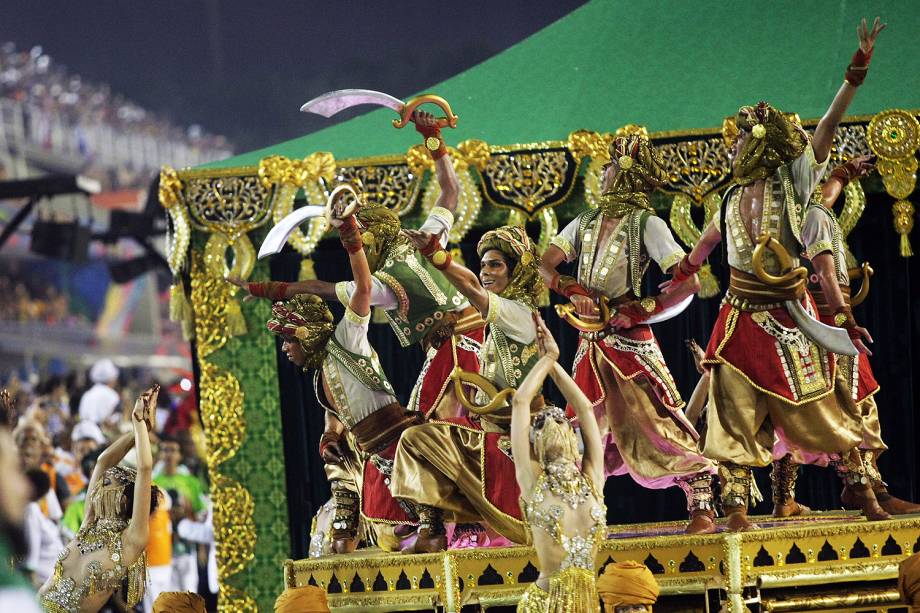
<point x="99" y="403"/>
<point x="202" y="532"/>
<point x="42" y="535"/>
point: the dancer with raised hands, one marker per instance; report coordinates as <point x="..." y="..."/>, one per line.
<point x="562" y="502"/>
<point x="421" y="305"/>
<point x="619" y="363"/>
<point x="351" y="386"/>
<point x="111" y="544"/>
<point x="770" y="376"/>
<point x="460" y="469"/>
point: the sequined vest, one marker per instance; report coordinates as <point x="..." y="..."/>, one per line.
<point x="367" y="370"/>
<point x="628" y="235"/>
<point x="424" y="295"/>
<point x="779" y="203"/>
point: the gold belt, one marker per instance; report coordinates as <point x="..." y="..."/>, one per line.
<point x="608" y="330"/>
<point x="748" y="293"/>
<point x="502" y="417"/>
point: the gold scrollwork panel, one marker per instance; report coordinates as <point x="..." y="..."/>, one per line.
<point x="392" y="185"/>
<point x="221" y="409"/>
<point x="530" y="178"/>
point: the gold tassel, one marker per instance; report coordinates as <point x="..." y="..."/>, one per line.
<point x="906" y="250"/>
<point x="709" y="285"/>
<point x="903" y="212"/>
<point x="106" y="502"/>
<point x="179" y="308"/>
<point x="307" y="271"/>
<point x="236" y="323"/>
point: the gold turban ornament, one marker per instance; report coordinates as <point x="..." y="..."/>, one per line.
<point x="179" y="602"/>
<point x="380" y="227"/>
<point x="306" y="599"/>
<point x="909" y="581"/>
<point x="306" y="318"/>
<point x="640" y="169"/>
<point x="775" y="139"/>
<point x="525" y="283"/>
<point x="627" y="583"/>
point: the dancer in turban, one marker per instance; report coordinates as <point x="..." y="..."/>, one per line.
<point x="462" y="467"/>
<point x="620" y="366"/>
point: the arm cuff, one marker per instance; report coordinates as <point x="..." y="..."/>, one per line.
<point x="447" y="216"/>
<point x="819" y="248"/>
<point x="341" y="292"/>
<point x="812" y="162"/>
<point x="567" y="248"/>
<point x="356" y="319"/>
<point x="669" y="261"/>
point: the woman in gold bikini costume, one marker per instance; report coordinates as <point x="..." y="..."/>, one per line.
<point x="562" y="504"/>
<point x="111" y="543"/>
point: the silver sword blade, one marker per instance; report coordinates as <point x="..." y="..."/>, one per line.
<point x="279" y="234"/>
<point x="672" y="311"/>
<point x="331" y="103"/>
<point x="835" y="340"/>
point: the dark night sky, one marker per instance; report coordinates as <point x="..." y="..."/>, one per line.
<point x="243" y="69"/>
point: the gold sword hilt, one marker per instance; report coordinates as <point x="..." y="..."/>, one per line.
<point x="405" y="116"/>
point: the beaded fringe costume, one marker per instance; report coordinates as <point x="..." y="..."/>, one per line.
<point x="65" y="595"/>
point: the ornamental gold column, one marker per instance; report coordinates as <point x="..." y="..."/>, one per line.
<point x="894" y="136"/>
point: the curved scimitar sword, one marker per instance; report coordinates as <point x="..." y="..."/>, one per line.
<point x="331" y="103"/>
<point x="670" y="312"/>
<point x="278" y="235"/>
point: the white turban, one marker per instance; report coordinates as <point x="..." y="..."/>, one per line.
<point x="103" y="371"/>
<point x="87" y="429"/>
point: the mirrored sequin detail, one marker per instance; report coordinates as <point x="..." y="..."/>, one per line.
<point x="65" y="595"/>
<point x="579" y="548"/>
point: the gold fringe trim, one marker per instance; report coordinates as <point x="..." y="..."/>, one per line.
<point x="236" y="323"/>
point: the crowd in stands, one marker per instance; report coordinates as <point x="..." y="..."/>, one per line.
<point x="51" y="108"/>
<point x="59" y="428"/>
<point x="18" y="303"/>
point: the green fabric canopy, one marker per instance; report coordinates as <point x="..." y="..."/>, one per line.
<point x="670" y="66"/>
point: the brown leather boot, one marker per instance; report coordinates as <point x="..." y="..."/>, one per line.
<point x="782" y="480"/>
<point x="860" y="497"/>
<point x="891" y="504"/>
<point x="345" y="518"/>
<point x="736" y="492"/>
<point x="702" y="521"/>
<point x="698" y="489"/>
<point x="431" y="534"/>
<point x="857" y="489"/>
<point x="428" y="542"/>
<point x="736" y="518"/>
<point x="895" y="505"/>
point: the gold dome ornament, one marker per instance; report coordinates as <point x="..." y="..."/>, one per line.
<point x="758" y="131"/>
<point x="433" y="143"/>
<point x="439" y="258"/>
<point x="894" y="136"/>
<point x="648" y="304"/>
<point x="625" y="162"/>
